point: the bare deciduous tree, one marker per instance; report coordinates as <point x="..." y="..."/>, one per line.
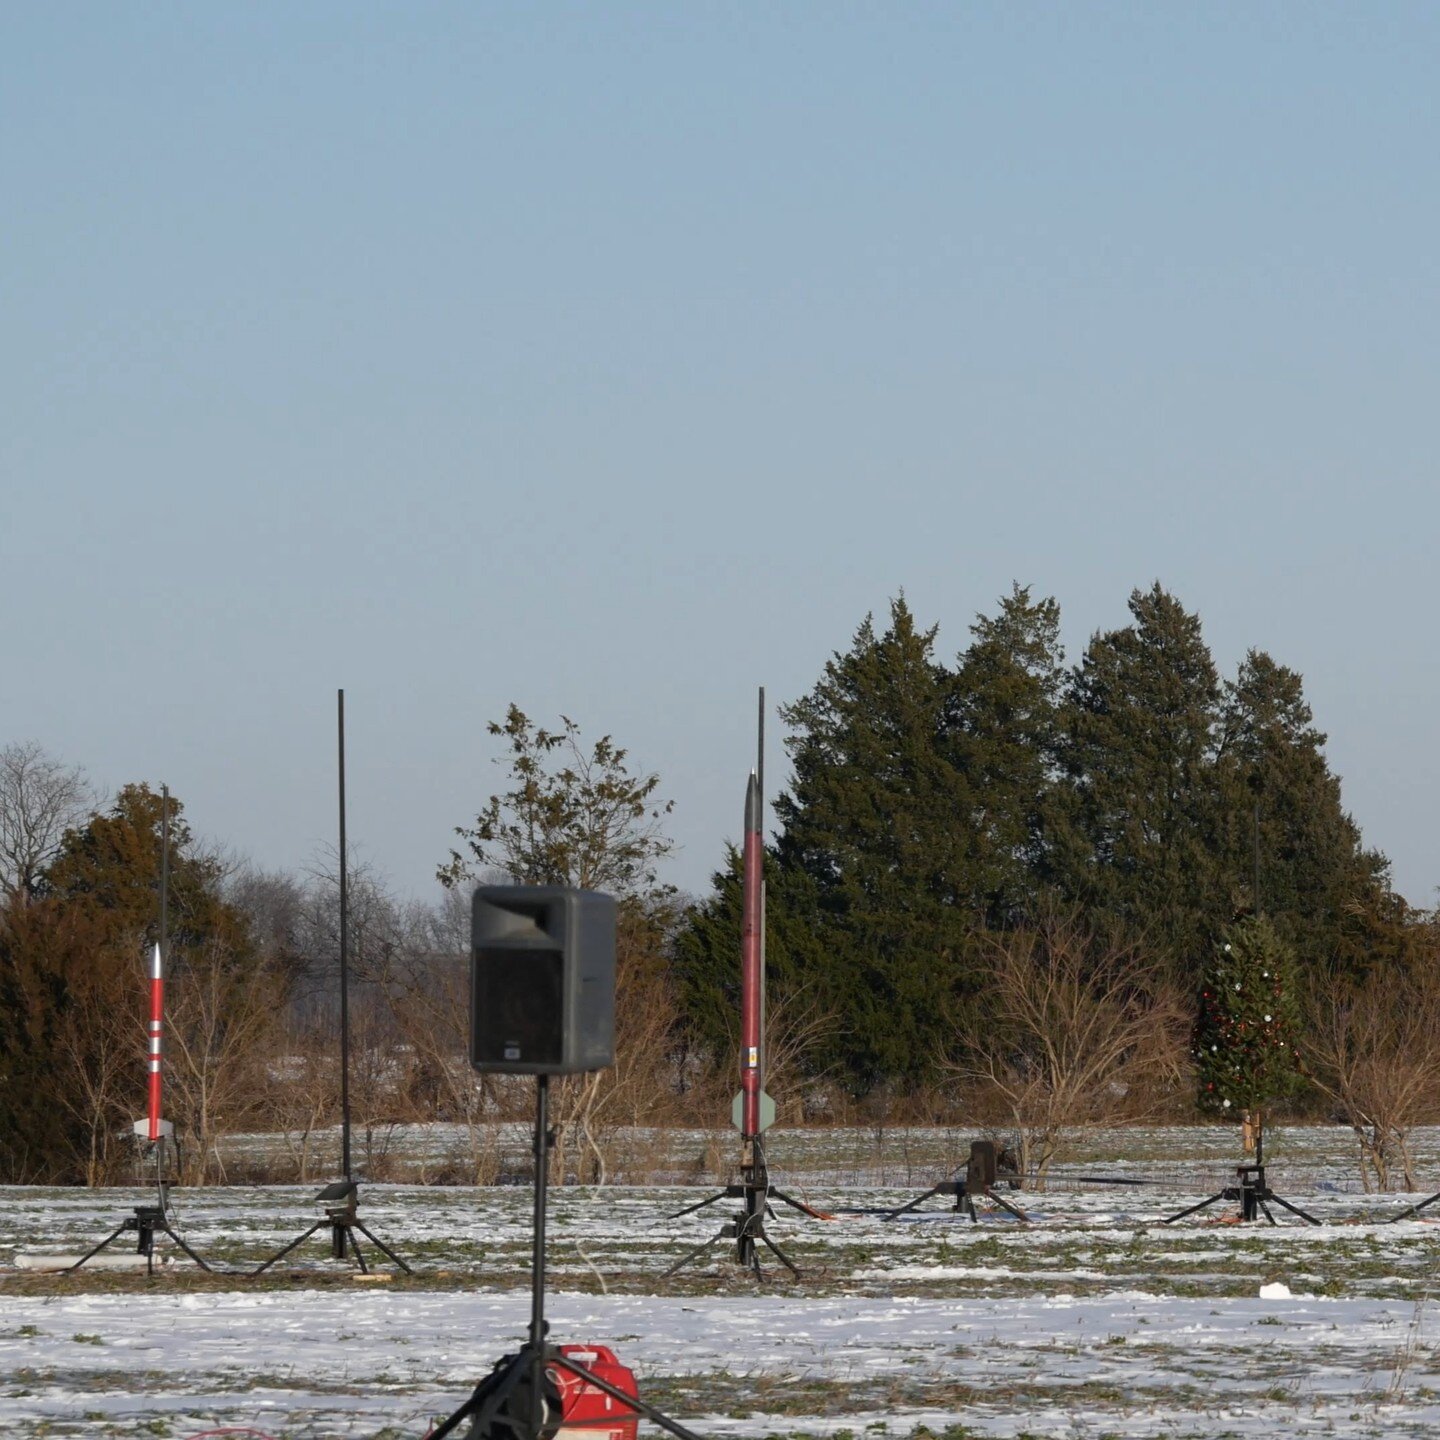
<point x="40" y="799"/>
<point x="1373" y="1048"/>
<point x="304" y="1092"/>
<point x="222" y="1028"/>
<point x="1071" y="1031"/>
<point x="589" y="1109"/>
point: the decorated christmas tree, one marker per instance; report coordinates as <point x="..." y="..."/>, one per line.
<point x="1244" y="1045"/>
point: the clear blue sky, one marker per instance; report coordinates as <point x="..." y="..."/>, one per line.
<point x="615" y="360"/>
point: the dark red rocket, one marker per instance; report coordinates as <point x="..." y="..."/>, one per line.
<point x="751" y="978"/>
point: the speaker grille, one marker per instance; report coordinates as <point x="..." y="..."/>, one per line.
<point x="519" y="1007"/>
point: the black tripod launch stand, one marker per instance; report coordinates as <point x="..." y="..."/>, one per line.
<point x="747" y="1229"/>
<point x="1251" y="1191"/>
<point x="981" y="1171"/>
<point x="340" y="1201"/>
<point x="1253" y="1194"/>
<point x="519" y="1399"/>
<point x="148" y="1221"/>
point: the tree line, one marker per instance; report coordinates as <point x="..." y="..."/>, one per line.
<point x="1005" y="881"/>
<point x="996" y="883"/>
<point x="251" y="1025"/>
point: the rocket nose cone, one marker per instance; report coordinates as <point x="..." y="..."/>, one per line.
<point x="752" y="804"/>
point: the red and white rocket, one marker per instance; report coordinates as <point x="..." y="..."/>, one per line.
<point x="153" y="1128"/>
<point x="157" y="1022"/>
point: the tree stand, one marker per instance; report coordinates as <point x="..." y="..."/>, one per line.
<point x="519" y="1399"/>
<point x="1253" y="1194"/>
<point x="341" y="1201"/>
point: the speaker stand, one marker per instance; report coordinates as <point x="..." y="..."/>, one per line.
<point x="519" y="1400"/>
<point x="341" y="1202"/>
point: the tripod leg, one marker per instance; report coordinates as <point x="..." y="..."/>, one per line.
<point x="1415" y="1209"/>
<point x="700" y="1205"/>
<point x="1006" y="1205"/>
<point x="914" y="1204"/>
<point x="168" y="1231"/>
<point x="300" y="1240"/>
<point x="690" y="1255"/>
<point x="91" y="1254"/>
<point x="1181" y="1214"/>
<point x="1295" y="1210"/>
<point x="1259" y="1200"/>
<point x="777" y="1252"/>
<point x="382" y="1247"/>
<point x="359" y="1255"/>
<point x="799" y="1205"/>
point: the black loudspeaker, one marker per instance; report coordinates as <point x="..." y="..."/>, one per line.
<point x="542" y="980"/>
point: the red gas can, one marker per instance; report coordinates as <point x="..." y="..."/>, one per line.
<point x="585" y="1408"/>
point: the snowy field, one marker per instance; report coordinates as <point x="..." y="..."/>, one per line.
<point x="1096" y="1320"/>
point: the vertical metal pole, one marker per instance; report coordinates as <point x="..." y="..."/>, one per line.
<point x="344" y="960"/>
<point x="542" y="1176"/>
<point x="164" y="872"/>
<point x="760" y="757"/>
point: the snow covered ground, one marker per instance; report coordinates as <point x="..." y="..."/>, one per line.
<point x="1095" y="1321"/>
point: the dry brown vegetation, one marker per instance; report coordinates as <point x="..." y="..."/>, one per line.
<point x="1070" y="1031"/>
<point x="1372" y="1047"/>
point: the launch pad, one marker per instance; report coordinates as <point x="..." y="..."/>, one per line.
<point x="340" y="1201"/>
<point x="1253" y="1195"/>
<point x="146" y="1223"/>
<point x="981" y="1172"/>
<point x="747" y="1229"/>
<point x="753" y="1111"/>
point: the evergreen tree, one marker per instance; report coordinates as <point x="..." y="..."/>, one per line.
<point x="111" y="864"/>
<point x="73" y="982"/>
<point x="1137" y="849"/>
<point x="1004" y="735"/>
<point x="877" y="824"/>
<point x="1249" y="1021"/>
<point x="1323" y="889"/>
